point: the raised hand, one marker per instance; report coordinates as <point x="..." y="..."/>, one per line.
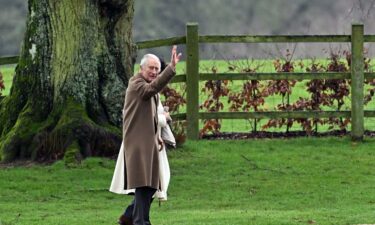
<point x="175" y="58"/>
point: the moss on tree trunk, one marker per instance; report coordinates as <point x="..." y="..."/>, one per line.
<point x="70" y="81"/>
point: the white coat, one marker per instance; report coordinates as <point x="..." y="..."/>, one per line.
<point x="118" y="179"/>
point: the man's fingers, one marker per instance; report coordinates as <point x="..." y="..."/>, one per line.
<point x="173" y="53"/>
<point x="175" y="57"/>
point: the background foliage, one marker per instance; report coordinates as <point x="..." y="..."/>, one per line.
<point x="167" y="18"/>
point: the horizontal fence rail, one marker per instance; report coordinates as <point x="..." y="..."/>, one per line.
<point x="192" y="39"/>
<point x="273" y="115"/>
<point x="270" y="76"/>
<point x="161" y="42"/>
<point x="8" y="60"/>
<point x="273" y="38"/>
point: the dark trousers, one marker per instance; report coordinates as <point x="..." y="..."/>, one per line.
<point x="139" y="209"/>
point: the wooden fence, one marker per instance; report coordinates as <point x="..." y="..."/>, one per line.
<point x="192" y="76"/>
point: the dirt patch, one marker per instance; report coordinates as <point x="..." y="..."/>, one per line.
<point x="23" y="163"/>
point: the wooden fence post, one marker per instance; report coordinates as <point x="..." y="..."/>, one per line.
<point x="357" y="79"/>
<point x="192" y="81"/>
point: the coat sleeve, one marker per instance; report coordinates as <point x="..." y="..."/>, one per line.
<point x="147" y="90"/>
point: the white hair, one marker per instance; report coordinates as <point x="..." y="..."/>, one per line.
<point x="145" y="58"/>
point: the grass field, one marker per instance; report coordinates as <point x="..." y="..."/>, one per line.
<point x="205" y="66"/>
<point x="260" y="182"/>
<point x="8" y="72"/>
<point x="237" y="125"/>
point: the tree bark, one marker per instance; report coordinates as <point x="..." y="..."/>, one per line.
<point x="68" y="91"/>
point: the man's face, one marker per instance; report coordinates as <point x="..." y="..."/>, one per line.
<point x="150" y="70"/>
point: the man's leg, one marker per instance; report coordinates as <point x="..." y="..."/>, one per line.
<point x="142" y="203"/>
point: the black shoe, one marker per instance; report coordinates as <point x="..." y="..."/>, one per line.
<point x="124" y="220"/>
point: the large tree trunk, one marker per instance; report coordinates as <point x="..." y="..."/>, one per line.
<point x="68" y="91"/>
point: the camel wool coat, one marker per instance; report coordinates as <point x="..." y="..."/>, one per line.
<point x="118" y="178"/>
<point x="140" y="123"/>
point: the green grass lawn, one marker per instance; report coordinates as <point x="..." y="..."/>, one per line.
<point x="8" y="72"/>
<point x="295" y="181"/>
<point x="205" y="67"/>
<point x="237" y="125"/>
